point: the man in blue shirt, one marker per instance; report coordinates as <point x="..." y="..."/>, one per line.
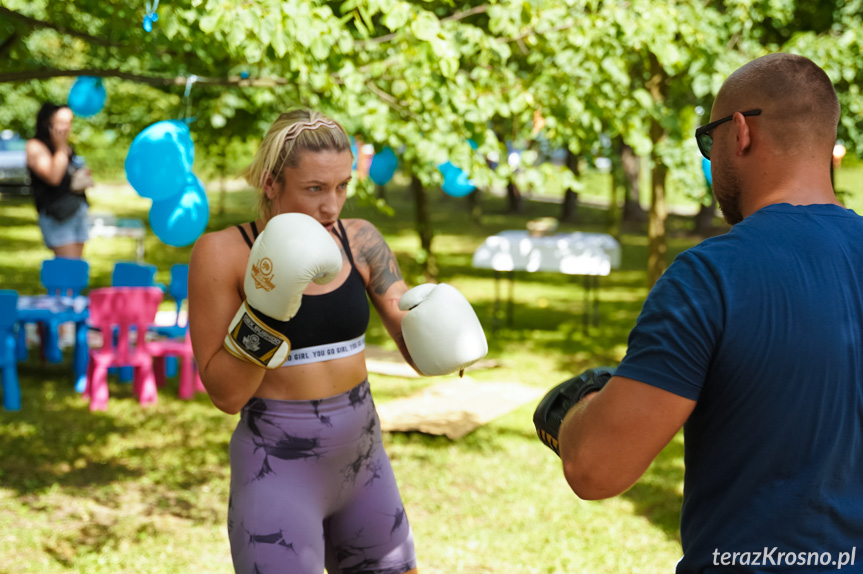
<point x="753" y="342"/>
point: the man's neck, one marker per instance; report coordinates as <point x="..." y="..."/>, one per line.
<point x="799" y="185"/>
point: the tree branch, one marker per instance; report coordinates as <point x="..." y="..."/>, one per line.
<point x="534" y="32"/>
<point x="144" y="79"/>
<point x="390" y="100"/>
<point x="33" y="22"/>
<point x="452" y="18"/>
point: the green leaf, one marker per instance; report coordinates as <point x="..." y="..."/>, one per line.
<point x="320" y="48"/>
<point x="209" y="22"/>
<point x="218" y="121"/>
<point x="396" y="18"/>
<point x="425" y="26"/>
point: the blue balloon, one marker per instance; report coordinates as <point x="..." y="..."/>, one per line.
<point x="455" y="180"/>
<point x="159" y="159"/>
<point x="87" y="96"/>
<point x="179" y="220"/>
<point x="705" y="167"/>
<point x="383" y="166"/>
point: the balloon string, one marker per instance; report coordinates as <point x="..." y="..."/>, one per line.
<point x="188" y="100"/>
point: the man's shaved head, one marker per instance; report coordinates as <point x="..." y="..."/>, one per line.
<point x="800" y="110"/>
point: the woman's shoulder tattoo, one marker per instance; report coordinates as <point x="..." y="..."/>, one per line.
<point x="372" y="249"/>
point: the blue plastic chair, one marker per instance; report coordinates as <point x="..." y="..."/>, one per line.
<point x="64" y="278"/>
<point x="8" y="354"/>
<point x="178" y="289"/>
<point x="61" y="277"/>
<point x="130" y="274"/>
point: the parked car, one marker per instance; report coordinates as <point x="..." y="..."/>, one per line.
<point x="14" y="177"/>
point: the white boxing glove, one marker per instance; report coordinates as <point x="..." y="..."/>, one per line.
<point x="441" y="330"/>
<point x="292" y="250"/>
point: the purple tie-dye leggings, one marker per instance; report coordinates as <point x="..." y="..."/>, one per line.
<point x="311" y="486"/>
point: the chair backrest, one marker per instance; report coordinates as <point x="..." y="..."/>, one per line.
<point x="8" y="308"/>
<point x="179" y="287"/>
<point x="62" y="276"/>
<point x="123" y="307"/>
<point x="129" y="274"/>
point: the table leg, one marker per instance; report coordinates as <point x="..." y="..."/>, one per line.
<point x="494" y="312"/>
<point x="22" y="341"/>
<point x="9" y="373"/>
<point x="585" y="307"/>
<point x="509" y="307"/>
<point x="82" y="355"/>
<point x="595" y="281"/>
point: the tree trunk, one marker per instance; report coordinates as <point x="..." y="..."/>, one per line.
<point x="514" y="199"/>
<point x="658" y="86"/>
<point x="223" y="172"/>
<point x="618" y="184"/>
<point x="656" y="223"/>
<point x="569" y="210"/>
<point x="704" y="217"/>
<point x="474" y="205"/>
<point x="425" y="257"/>
<point x="631" y="165"/>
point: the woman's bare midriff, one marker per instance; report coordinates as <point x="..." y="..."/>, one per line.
<point x="314" y="380"/>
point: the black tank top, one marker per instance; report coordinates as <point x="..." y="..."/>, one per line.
<point x="45" y="193"/>
<point x="340" y="315"/>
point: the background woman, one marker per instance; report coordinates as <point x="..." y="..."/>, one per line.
<point x="50" y="160"/>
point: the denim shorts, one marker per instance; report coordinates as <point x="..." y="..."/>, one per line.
<point x="59" y="233"/>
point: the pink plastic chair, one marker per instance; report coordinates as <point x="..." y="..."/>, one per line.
<point x="190" y="380"/>
<point x="120" y="308"/>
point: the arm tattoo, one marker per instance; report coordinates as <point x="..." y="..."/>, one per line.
<point x="383" y="267"/>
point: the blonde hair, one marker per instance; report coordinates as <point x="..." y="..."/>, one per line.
<point x="294" y="132"/>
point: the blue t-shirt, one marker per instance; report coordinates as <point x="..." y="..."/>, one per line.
<point x="763" y="327"/>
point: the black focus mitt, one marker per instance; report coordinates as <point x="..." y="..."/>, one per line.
<point x="554" y="405"/>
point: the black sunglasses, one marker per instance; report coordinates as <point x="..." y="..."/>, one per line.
<point x="705" y="139"/>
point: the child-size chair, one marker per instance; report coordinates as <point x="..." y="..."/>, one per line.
<point x="190" y="379"/>
<point x="123" y="309"/>
<point x="8" y="355"/>
<point x="61" y="278"/>
<point x="178" y="289"/>
<point x="131" y="274"/>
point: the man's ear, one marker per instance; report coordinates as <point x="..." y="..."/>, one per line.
<point x="743" y="137"/>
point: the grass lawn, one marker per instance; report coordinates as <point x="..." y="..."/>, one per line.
<point x="145" y="490"/>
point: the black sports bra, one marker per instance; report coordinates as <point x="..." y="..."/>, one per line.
<point x="339" y="316"/>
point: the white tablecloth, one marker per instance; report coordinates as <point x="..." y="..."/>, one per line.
<point x="569" y="253"/>
<point x="52" y="303"/>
